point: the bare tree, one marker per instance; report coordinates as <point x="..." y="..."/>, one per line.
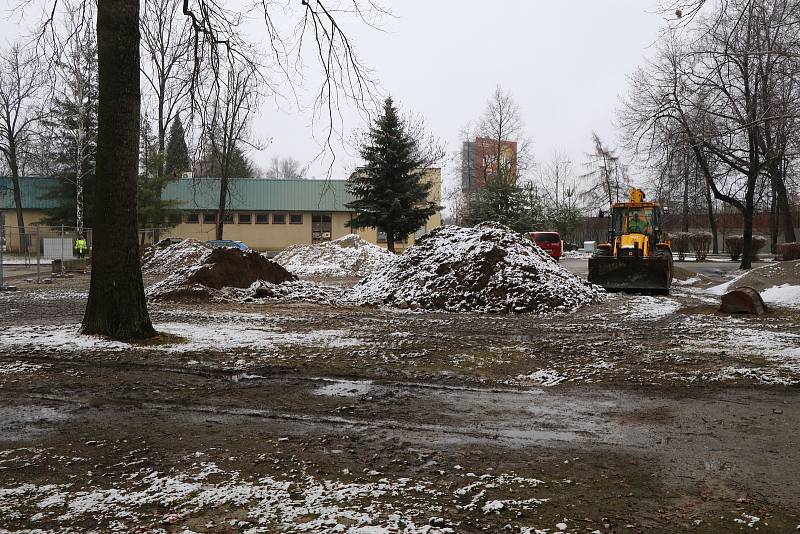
<point x="21" y="82"/>
<point x="230" y="106"/>
<point x="496" y="147"/>
<point x="607" y="177"/>
<point x="166" y="65"/>
<point x="286" y="168"/>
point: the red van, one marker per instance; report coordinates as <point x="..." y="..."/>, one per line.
<point x="550" y="242"/>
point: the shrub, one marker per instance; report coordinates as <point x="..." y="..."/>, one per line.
<point x="701" y="242"/>
<point x="789" y="251"/>
<point x="680" y="244"/>
<point x="758" y="243"/>
<point x="734" y="244"/>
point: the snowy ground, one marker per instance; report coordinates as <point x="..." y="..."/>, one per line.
<point x="280" y="416"/>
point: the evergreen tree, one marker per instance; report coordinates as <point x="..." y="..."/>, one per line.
<point x="391" y="193"/>
<point x="240" y="165"/>
<point x="506" y="203"/>
<point x="177" y="157"/>
<point x="153" y="211"/>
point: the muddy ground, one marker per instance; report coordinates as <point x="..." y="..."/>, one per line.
<point x="640" y="414"/>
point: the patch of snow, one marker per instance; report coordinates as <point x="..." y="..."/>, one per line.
<point x="347" y="256"/>
<point x="544" y="377"/>
<point x="649" y="308"/>
<point x="198" y="337"/>
<point x="782" y="295"/>
<point x="165" y="259"/>
<point x="8" y="368"/>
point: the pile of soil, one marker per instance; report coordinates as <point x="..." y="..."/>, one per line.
<point x="348" y="256"/>
<point x="770" y="275"/>
<point x="292" y="291"/>
<point x="166" y="256"/>
<point x="488" y="268"/>
<point x="222" y="268"/>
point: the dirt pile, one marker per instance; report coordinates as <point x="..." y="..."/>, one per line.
<point x="489" y="268"/>
<point x="292" y="291"/>
<point x="348" y="256"/>
<point x="222" y="268"/>
<point x="164" y="257"/>
<point x="778" y="283"/>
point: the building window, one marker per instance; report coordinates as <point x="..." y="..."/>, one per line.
<point x="192" y="218"/>
<point x="245" y="218"/>
<point x="262" y="218"/>
<point x="209" y="218"/>
<point x="321" y="228"/>
<point x="296" y="218"/>
<point x="227" y="218"/>
<point x="175" y="219"/>
<point x="278" y="218"/>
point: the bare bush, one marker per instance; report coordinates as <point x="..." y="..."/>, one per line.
<point x="758" y="243"/>
<point x="701" y="243"/>
<point x="734" y="244"/>
<point x="789" y="251"/>
<point x="680" y="244"/>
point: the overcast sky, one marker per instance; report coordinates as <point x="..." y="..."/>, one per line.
<point x="565" y="62"/>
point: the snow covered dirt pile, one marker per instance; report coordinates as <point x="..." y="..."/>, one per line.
<point x="488" y="268"/>
<point x="778" y="283"/>
<point x="164" y="257"/>
<point x="222" y="268"/>
<point x="347" y="256"/>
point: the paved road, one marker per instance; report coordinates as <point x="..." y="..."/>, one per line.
<point x="708" y="268"/>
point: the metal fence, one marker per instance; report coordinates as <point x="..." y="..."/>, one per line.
<point x="23" y="249"/>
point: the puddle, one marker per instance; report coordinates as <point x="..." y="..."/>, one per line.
<point x="345" y="388"/>
<point x="21" y="422"/>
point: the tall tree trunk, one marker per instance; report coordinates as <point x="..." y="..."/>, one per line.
<point x="685" y="215"/>
<point x="117" y="305"/>
<point x="23" y="242"/>
<point x="712" y="221"/>
<point x="773" y="221"/>
<point x="390" y="241"/>
<point x="223" y="198"/>
<point x="784" y="208"/>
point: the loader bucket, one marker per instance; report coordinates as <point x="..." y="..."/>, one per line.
<point x="743" y="300"/>
<point x="653" y="274"/>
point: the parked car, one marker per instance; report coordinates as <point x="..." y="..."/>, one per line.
<point x="550" y="242"/>
<point x="223" y="243"/>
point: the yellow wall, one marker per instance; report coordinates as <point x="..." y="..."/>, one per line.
<point x="264" y="237"/>
<point x="31" y="219"/>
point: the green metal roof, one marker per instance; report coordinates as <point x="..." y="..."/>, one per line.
<point x="256" y="194"/>
<point x="247" y="194"/>
<point x="33" y="191"/>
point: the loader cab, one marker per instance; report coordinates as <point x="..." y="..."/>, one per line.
<point x="644" y="220"/>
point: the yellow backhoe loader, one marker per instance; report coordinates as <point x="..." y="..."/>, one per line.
<point x="636" y="257"/>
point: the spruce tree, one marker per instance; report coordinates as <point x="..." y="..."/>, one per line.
<point x="390" y="191"/>
<point x="153" y="212"/>
<point x="177" y="158"/>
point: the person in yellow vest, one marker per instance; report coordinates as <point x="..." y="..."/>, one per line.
<point x="80" y="246"/>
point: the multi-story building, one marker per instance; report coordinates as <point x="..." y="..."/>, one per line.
<point x="485" y="159"/>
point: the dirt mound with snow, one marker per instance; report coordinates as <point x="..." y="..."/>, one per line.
<point x="778" y="283"/>
<point x="348" y="256"/>
<point x="488" y="268"/>
<point x="164" y="257"/>
<point x="222" y="268"/>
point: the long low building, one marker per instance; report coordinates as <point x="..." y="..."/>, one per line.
<point x="267" y="215"/>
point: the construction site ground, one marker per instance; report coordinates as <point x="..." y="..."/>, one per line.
<point x="639" y="414"/>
